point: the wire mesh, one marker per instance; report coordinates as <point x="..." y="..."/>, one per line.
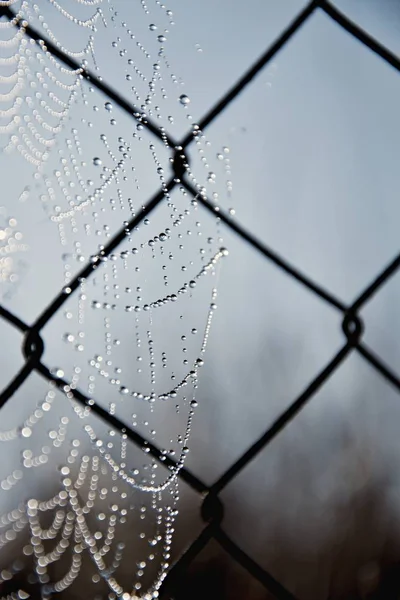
<point x="212" y="509"/>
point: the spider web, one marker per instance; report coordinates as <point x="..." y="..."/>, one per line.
<point x="134" y="336"/>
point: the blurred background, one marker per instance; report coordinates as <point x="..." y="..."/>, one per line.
<point x="306" y="158"/>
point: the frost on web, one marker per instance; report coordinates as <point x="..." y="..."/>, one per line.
<point x="132" y="337"/>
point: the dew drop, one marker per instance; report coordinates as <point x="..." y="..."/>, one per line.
<point x="97" y="161"/>
<point x="184" y="100"/>
<point x="57" y="372"/>
<point x="108" y="106"/>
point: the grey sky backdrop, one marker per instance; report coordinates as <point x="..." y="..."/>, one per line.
<point x="314" y="144"/>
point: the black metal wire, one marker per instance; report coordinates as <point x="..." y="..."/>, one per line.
<point x="353" y="328"/>
<point x="265" y="250"/>
<point x="280" y="423"/>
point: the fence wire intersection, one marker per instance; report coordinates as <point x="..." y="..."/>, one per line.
<point x="212" y="510"/>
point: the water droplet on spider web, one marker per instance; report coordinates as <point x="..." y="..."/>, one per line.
<point x="97" y="161"/>
<point x="184" y="99"/>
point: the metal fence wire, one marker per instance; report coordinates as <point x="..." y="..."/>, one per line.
<point x="212" y="510"/>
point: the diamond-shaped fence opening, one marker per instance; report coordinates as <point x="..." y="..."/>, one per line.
<point x="212" y="510"/>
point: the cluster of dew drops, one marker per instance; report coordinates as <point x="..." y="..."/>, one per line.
<point x="80" y="196"/>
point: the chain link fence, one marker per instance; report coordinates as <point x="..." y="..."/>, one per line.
<point x="212" y="510"/>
